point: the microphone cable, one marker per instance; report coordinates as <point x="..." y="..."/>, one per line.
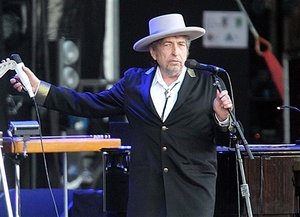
<point x="231" y="91"/>
<point x="231" y="128"/>
<point x="43" y="154"/>
<point x="44" y="157"/>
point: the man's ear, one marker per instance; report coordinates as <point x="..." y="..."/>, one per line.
<point x="152" y="53"/>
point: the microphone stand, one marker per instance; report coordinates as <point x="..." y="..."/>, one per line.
<point x="236" y="126"/>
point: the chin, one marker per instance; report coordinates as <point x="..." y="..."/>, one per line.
<point x="174" y="70"/>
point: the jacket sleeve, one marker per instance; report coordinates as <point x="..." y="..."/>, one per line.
<point x="91" y="105"/>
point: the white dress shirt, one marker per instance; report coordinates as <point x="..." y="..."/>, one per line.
<point x="162" y="94"/>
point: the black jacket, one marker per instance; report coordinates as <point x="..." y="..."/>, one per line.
<point x="173" y="167"/>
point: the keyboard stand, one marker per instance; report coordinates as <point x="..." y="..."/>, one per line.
<point x="4" y="180"/>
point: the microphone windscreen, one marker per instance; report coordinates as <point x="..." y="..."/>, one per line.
<point x="16" y="57"/>
<point x="191" y="63"/>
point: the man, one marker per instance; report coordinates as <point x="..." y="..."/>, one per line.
<point x="173" y="112"/>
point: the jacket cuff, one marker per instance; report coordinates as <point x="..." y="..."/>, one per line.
<point x="224" y="123"/>
<point x="42" y="92"/>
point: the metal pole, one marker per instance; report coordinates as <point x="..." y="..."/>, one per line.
<point x="4" y="180"/>
<point x="17" y="188"/>
<point x="65" y="184"/>
<point x="244" y="186"/>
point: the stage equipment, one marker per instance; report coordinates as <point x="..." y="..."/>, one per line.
<point x="68" y="63"/>
<point x="115" y="180"/>
<point x="288" y="133"/>
<point x="25" y="129"/>
<point x="62" y="144"/>
<point x="235" y="139"/>
<point x="270" y="179"/>
<point x="3" y="179"/>
<point x="288" y="107"/>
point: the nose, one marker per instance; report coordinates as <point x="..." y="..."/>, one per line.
<point x="175" y="50"/>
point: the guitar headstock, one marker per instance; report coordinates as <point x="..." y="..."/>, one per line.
<point x="7" y="65"/>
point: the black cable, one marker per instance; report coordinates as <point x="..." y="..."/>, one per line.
<point x="239" y="210"/>
<point x="43" y="153"/>
<point x="44" y="157"/>
<point x="231" y="91"/>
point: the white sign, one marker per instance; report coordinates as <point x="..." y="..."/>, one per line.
<point x="225" y="29"/>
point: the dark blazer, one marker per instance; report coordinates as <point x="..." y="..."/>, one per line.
<point x="173" y="166"/>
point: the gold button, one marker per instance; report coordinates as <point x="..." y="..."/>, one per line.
<point x="164" y="128"/>
<point x="164" y="148"/>
<point x="166" y="170"/>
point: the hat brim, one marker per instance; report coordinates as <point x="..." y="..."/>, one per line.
<point x="193" y="33"/>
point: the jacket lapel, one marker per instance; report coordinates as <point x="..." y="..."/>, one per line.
<point x="186" y="88"/>
<point x="145" y="89"/>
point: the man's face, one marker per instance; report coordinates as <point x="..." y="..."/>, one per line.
<point x="170" y="54"/>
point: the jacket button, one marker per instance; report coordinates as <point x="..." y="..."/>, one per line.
<point x="164" y="148"/>
<point x="166" y="170"/>
<point x="164" y="128"/>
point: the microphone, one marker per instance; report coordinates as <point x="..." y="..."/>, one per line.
<point x="193" y="64"/>
<point x="22" y="75"/>
<point x="288" y="107"/>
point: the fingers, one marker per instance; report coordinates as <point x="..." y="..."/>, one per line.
<point x="3" y="61"/>
<point x="224" y="99"/>
<point x="17" y="84"/>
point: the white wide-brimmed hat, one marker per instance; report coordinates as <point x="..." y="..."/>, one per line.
<point x="166" y="26"/>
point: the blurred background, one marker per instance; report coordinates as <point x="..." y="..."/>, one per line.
<point x="87" y="46"/>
